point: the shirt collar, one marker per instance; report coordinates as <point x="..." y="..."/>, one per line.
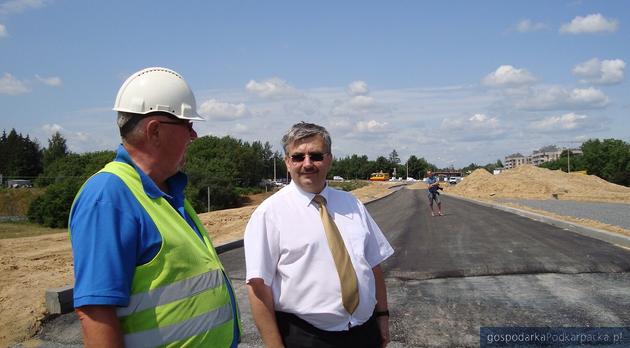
<point x="306" y="197"/>
<point x="176" y="183"/>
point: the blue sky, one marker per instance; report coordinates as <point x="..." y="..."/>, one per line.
<point x="454" y="82"/>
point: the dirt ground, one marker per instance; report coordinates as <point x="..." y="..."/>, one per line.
<point x="31" y="265"/>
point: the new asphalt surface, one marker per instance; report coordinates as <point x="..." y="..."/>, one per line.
<point x="473" y="267"/>
<point x="611" y="213"/>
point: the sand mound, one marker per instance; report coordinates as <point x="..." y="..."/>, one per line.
<point x="531" y="182"/>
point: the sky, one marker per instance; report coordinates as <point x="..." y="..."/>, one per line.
<point x="455" y="82"/>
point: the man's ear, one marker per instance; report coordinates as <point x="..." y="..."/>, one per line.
<point x="152" y="128"/>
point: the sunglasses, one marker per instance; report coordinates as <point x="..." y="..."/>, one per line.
<point x="313" y="156"/>
<point x="188" y="124"/>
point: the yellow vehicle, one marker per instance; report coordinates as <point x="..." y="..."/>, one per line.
<point x="380" y="176"/>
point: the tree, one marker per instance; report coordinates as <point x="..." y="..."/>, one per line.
<point x="383" y="164"/>
<point x="52" y="209"/>
<point x="609" y="159"/>
<point x="226" y="165"/>
<point x="417" y="167"/>
<point x="64" y="177"/>
<point x="20" y="156"/>
<point x="393" y="157"/>
<point x="56" y="149"/>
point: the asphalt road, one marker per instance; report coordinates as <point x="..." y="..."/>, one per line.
<point x="474" y="267"/>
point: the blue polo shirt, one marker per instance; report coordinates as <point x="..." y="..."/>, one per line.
<point x="432" y="180"/>
<point x="112" y="234"/>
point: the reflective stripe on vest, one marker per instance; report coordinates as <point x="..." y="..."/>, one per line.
<point x="181" y="295"/>
<point x="171" y="292"/>
<point x="179" y="331"/>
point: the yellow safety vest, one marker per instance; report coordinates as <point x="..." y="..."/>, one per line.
<point x="180" y="297"/>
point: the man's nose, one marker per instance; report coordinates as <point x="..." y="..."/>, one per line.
<point x="307" y="161"/>
<point x="193" y="134"/>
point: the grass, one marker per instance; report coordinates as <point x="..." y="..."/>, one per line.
<point x="25" y="229"/>
<point x="15" y="201"/>
<point x="348" y="185"/>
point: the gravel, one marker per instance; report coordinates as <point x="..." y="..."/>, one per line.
<point x="617" y="214"/>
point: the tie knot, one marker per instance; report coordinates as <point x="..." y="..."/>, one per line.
<point x="319" y="200"/>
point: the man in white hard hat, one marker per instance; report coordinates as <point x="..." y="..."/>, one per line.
<point x="146" y="273"/>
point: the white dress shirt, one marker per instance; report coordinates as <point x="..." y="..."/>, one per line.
<point x="286" y="246"/>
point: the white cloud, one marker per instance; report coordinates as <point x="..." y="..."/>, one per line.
<point x="477" y="121"/>
<point x="50" y="129"/>
<point x="371" y="126"/>
<point x="508" y="76"/>
<point x="566" y="122"/>
<point x="593" y="23"/>
<point x="358" y="104"/>
<point x="53" y="81"/>
<point x="12" y="86"/>
<point x="17" y="6"/>
<point x="271" y="88"/>
<point x="526" y="26"/>
<point x="357" y="88"/>
<point x="3" y="31"/>
<point x="217" y="110"/>
<point x="554" y="97"/>
<point x="478" y="127"/>
<point x="603" y="72"/>
<point x="241" y="128"/>
<point x="361" y="101"/>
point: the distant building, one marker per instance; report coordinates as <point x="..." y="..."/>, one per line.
<point x="538" y="157"/>
<point x="515" y="160"/>
<point x="545" y="154"/>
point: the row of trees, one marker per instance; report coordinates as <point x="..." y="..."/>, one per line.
<point x="21" y="157"/>
<point x="609" y="159"/>
<point x="220" y="170"/>
<point x="359" y="167"/>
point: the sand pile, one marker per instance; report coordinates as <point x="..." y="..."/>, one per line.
<point x="531" y="182"/>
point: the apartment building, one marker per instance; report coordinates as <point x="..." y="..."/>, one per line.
<point x="514" y="160"/>
<point x="545" y="154"/>
<point x="538" y="157"/>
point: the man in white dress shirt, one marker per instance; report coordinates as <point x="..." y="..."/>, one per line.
<point x="293" y="282"/>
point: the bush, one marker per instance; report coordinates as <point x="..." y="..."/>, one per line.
<point x="347" y="185"/>
<point x="53" y="207"/>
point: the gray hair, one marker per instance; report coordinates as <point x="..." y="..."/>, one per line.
<point x="304" y="130"/>
<point x="127" y="125"/>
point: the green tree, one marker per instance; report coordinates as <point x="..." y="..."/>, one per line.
<point x="352" y="167"/>
<point x="383" y="164"/>
<point x="566" y="159"/>
<point x="64" y="177"/>
<point x="52" y="209"/>
<point x="21" y="156"/>
<point x="393" y="157"/>
<point x="56" y="149"/>
<point x="226" y="165"/>
<point x="417" y="167"/>
<point x="609" y="159"/>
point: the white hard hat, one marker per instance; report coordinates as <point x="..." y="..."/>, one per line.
<point x="157" y="89"/>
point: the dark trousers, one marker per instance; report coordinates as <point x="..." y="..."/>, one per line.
<point x="297" y="333"/>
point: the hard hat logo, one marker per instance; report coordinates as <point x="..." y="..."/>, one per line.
<point x="157" y="89"/>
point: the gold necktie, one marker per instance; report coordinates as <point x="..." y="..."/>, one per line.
<point x="347" y="276"/>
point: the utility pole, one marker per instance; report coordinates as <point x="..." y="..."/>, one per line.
<point x="568" y="148"/>
<point x="208" y="199"/>
<point x="274" y="168"/>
